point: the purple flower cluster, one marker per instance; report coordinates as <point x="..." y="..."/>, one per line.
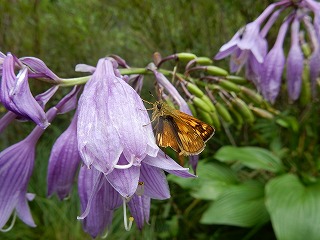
<point x="109" y="139"/>
<point x="264" y="67"/>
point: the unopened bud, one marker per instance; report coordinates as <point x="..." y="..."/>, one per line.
<point x="185" y="56"/>
<point x="194" y="89"/>
<point x="243" y="109"/>
<point x="236" y="79"/>
<point x="216" y="71"/>
<point x="229" y="86"/>
<point x="261" y="113"/>
<point x="215" y="120"/>
<point x="204" y="61"/>
<point x="252" y="95"/>
<point x="198" y="102"/>
<point x="208" y="101"/>
<point x="223" y="112"/>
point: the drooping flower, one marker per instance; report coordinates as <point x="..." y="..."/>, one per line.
<point x="102" y="200"/>
<point x="117" y="123"/>
<point x="63" y="162"/>
<point x="294" y="63"/>
<point x="42" y="100"/>
<point x="273" y="67"/>
<point x="135" y="186"/>
<point x="16" y="96"/>
<point x="16" y="166"/>
<point x="247" y="40"/>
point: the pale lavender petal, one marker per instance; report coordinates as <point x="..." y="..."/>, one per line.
<point x="125" y="114"/>
<point x="164" y="162"/>
<point x="233" y="42"/>
<point x="253" y="69"/>
<point x="193" y="161"/>
<point x="163" y="81"/>
<point x="273" y="66"/>
<point x="6" y="120"/>
<point x="16" y="165"/>
<point x="69" y="101"/>
<point x="294" y="63"/>
<point x="63" y="162"/>
<point x="23" y="210"/>
<point x="25" y="103"/>
<point x="238" y="59"/>
<point x="140" y="209"/>
<point x="125" y="181"/>
<point x="84" y="68"/>
<point x="222" y="54"/>
<point x="99" y="216"/>
<point x="155" y="182"/>
<point x="98" y="141"/>
<point x="43" y="98"/>
<point x="38" y="68"/>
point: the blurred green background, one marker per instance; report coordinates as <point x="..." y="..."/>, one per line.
<point x="64" y="33"/>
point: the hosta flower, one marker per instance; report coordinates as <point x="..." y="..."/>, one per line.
<point x="246" y="40"/>
<point x="42" y="100"/>
<point x="16" y="96"/>
<point x="294" y="63"/>
<point x="112" y="120"/>
<point x="273" y="67"/>
<point x="63" y="162"/>
<point x="16" y="165"/>
<point x="97" y="193"/>
<point x="101" y="194"/>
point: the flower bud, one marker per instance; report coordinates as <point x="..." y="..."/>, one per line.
<point x="206" y="99"/>
<point x="252" y="95"/>
<point x="194" y="89"/>
<point x="237" y="79"/>
<point x="223" y="112"/>
<point x="215" y="120"/>
<point x="261" y="113"/>
<point x="203" y="60"/>
<point x="198" y="102"/>
<point x="243" y="109"/>
<point x="229" y="86"/>
<point x="185" y="56"/>
<point x="216" y="71"/>
<point x="236" y="116"/>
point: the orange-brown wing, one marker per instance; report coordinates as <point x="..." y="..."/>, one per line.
<point x="181" y="137"/>
<point x="166" y="135"/>
<point x="204" y="130"/>
<point x="191" y="142"/>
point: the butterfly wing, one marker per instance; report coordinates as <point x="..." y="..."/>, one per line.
<point x="166" y="135"/>
<point x="180" y="136"/>
<point x="205" y="131"/>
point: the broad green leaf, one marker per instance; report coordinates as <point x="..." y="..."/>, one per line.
<point x="294" y="208"/>
<point x="253" y="157"/>
<point x="213" y="179"/>
<point x="241" y="205"/>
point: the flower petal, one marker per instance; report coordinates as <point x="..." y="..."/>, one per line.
<point x="155" y="182"/>
<point x="63" y="162"/>
<point x="125" y="181"/>
<point x="166" y="163"/>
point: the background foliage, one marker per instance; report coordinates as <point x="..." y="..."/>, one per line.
<point x="64" y="33"/>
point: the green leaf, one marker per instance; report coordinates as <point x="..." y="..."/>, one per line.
<point x="241" y="205"/>
<point x="213" y="179"/>
<point x="253" y="157"/>
<point x="294" y="208"/>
